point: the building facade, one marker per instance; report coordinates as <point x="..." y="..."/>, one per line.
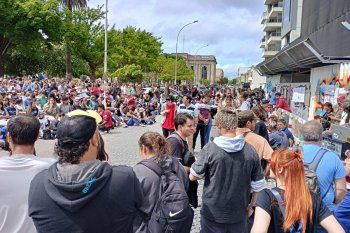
<point x="204" y="67"/>
<point x="272" y="26"/>
<point x="219" y="75"/>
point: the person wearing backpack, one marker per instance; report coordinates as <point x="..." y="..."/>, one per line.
<point x="330" y="170"/>
<point x="291" y="207"/>
<point x="164" y="181"/>
<point x="231" y="169"/>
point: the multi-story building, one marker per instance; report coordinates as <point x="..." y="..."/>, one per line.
<point x="219" y="75"/>
<point x="204" y="66"/>
<point x="272" y="25"/>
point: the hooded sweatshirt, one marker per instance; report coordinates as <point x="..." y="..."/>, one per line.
<point x="229" y="166"/>
<point x="87" y="197"/>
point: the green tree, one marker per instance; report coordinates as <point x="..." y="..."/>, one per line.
<point x="164" y="68"/>
<point x="129" y="73"/>
<point x="24" y="24"/>
<point x="88" y="43"/>
<point x="132" y="46"/>
<point x="70" y="5"/>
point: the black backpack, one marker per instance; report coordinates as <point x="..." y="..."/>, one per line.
<point x="311" y="176"/>
<point x="172" y="212"/>
<point x="298" y="226"/>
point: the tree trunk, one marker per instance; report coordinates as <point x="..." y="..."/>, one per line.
<point x="2" y="65"/>
<point x="69" y="73"/>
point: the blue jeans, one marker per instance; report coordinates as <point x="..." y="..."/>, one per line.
<point x="133" y="121"/>
<point x="207" y="130"/>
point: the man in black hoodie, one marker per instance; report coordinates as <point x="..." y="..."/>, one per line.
<point x="81" y="192"/>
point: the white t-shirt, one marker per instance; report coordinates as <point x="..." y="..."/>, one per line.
<point x="190" y="109"/>
<point x="343" y="118"/>
<point x="245" y="106"/>
<point x="16" y="173"/>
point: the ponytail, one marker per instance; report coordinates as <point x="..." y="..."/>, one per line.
<point x="297" y="197"/>
<point x="155" y="143"/>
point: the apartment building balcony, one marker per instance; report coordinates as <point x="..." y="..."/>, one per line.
<point x="269" y="53"/>
<point x="269" y="2"/>
<point x="262" y="43"/>
<point x="274" y="38"/>
<point x="263" y="17"/>
<point x="276" y="10"/>
<point x="272" y="25"/>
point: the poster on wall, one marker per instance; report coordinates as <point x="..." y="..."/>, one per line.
<point x="298" y="95"/>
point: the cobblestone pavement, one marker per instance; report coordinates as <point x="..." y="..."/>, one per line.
<point x="122" y="147"/>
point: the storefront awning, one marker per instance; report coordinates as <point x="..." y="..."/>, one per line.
<point x="299" y="56"/>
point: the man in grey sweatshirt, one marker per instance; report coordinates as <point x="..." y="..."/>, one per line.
<point x="231" y="169"/>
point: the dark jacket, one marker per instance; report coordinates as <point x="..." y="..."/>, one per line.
<point x="88" y="197"/>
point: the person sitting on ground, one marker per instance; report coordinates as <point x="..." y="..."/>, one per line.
<point x="283" y="126"/>
<point x="69" y="195"/>
<point x="154" y="148"/>
<point x="16" y="172"/>
<point x="277" y="138"/>
<point x="245" y="104"/>
<point x="107" y="120"/>
<point x="287" y="208"/>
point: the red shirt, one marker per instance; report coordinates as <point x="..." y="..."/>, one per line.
<point x="282" y="103"/>
<point x="131" y="101"/>
<point x="169" y="122"/>
<point x="107" y="117"/>
<point x="95" y="91"/>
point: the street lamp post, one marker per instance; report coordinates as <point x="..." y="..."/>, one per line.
<point x="177" y="41"/>
<point x="105" y="51"/>
<point x="194" y="75"/>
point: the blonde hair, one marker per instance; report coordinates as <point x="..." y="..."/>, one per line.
<point x="227" y="118"/>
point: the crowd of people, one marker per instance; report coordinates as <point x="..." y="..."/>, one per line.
<point x="81" y="191"/>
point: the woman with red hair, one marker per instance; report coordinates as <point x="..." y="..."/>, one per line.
<point x="291" y="207"/>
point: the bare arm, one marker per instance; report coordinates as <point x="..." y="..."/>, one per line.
<point x="340" y="189"/>
<point x="261" y="221"/>
<point x="331" y="225"/>
<point x="193" y="178"/>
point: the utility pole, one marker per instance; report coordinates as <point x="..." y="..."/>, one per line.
<point x="106" y="45"/>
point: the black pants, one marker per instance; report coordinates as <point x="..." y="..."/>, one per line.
<point x="208" y="226"/>
<point x="167" y="132"/>
<point x="201" y="128"/>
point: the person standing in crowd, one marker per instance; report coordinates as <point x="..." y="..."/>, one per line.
<point x="225" y="201"/>
<point x="287" y="208"/>
<point x="272" y="96"/>
<point x="283" y="126"/>
<point x="69" y="195"/>
<point x="245" y="103"/>
<point x="281" y="102"/>
<point x="16" y="173"/>
<point x="330" y="171"/>
<point x="345" y="115"/>
<point x="246" y="125"/>
<point x="168" y="112"/>
<point x="154" y="148"/>
<point x="203" y="121"/>
<point x="260" y="126"/>
<point x="189" y="108"/>
<point x="342" y="210"/>
<point x="277" y="138"/>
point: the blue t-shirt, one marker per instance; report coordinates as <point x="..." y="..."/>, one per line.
<point x="272" y="98"/>
<point x="11" y="110"/>
<point x="288" y="133"/>
<point x="329" y="169"/>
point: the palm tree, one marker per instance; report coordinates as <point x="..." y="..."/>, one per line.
<point x="71" y="5"/>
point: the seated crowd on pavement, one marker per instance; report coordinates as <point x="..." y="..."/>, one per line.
<point x="80" y="190"/>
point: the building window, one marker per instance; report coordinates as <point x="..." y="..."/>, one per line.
<point x="204" y="72"/>
<point x="286" y="11"/>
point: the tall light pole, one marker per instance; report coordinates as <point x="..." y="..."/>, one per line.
<point x="177" y="41"/>
<point x="105" y="52"/>
<point x="194" y="75"/>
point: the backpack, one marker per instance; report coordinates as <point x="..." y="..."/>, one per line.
<point x="188" y="160"/>
<point x="172" y="212"/>
<point x="297" y="226"/>
<point x="311" y="175"/>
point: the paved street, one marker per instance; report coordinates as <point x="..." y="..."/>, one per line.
<point x="121" y="145"/>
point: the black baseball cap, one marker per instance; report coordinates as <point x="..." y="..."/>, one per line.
<point x="77" y="127"/>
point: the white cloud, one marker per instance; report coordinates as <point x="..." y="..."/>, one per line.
<point x="230" y="27"/>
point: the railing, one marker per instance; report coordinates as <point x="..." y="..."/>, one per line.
<point x="275" y="34"/>
<point x="274" y="21"/>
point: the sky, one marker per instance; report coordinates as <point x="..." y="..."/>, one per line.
<point x="230" y="28"/>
